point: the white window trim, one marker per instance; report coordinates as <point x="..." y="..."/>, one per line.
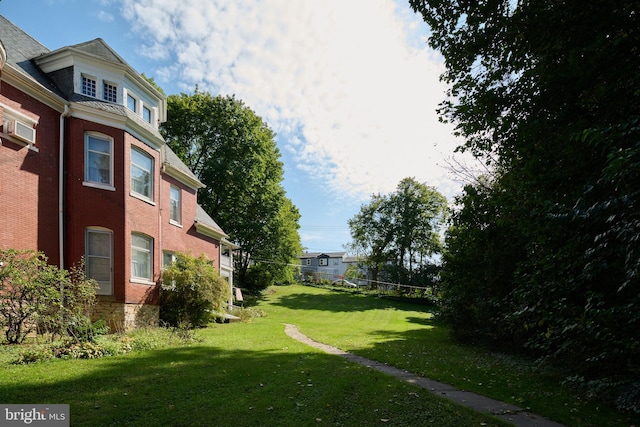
<point x="323" y="262"/>
<point x="143" y="280"/>
<point x="89" y="77"/>
<point x="86" y="161"/>
<point x="114" y="85"/>
<point x="86" y="248"/>
<point x="149" y="199"/>
<point x="173" y="257"/>
<point x="172" y="221"/>
<point x="126" y="97"/>
<point x="147" y="108"/>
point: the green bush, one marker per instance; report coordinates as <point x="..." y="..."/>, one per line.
<point x="87" y="331"/>
<point x="40" y="297"/>
<point x="33" y="355"/>
<point x="79" y="350"/>
<point x="248" y="313"/>
<point x="192" y="292"/>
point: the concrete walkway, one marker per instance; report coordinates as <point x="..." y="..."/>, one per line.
<point x="510" y="413"/>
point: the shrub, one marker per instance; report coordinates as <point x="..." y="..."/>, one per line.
<point x="248" y="313"/>
<point x="33" y="355"/>
<point x="22" y="295"/>
<point x="35" y="295"/>
<point x="71" y="313"/>
<point x="192" y="292"/>
<point x="79" y="350"/>
<point x="258" y="278"/>
<point x="87" y="331"/>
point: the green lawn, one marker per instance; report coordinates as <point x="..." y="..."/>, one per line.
<point x="244" y="374"/>
<point x="407" y="336"/>
<point x="252" y="374"/>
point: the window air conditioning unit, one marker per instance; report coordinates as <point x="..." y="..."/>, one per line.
<point x="22" y="131"/>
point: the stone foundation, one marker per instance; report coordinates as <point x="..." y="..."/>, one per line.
<point x="123" y="317"/>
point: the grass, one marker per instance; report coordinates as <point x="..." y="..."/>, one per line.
<point x="243" y="374"/>
<point x="407" y="336"/>
<point x="252" y="374"/>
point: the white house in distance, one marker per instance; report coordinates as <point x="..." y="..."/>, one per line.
<point x="324" y="265"/>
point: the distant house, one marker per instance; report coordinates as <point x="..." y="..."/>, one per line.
<point x="86" y="174"/>
<point x="323" y="265"/>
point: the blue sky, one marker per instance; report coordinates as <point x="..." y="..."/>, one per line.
<point x="349" y="86"/>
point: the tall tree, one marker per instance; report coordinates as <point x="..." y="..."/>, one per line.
<point x="233" y="152"/>
<point x="401" y="228"/>
<point x="550" y="92"/>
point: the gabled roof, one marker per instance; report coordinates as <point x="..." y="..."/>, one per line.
<point x="322" y="254"/>
<point x="97" y="48"/>
<point x="93" y="50"/>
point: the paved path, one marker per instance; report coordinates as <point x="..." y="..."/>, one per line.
<point x="510" y="413"/>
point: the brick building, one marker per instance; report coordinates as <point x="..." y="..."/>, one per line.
<point x="84" y="172"/>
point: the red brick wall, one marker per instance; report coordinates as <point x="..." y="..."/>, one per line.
<point x="29" y="180"/>
<point x="142" y="217"/>
<point x="185" y="238"/>
<point x="29" y="200"/>
<point x="95" y="207"/>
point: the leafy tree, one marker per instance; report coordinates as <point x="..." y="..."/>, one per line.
<point x="283" y="242"/>
<point x="399" y="232"/>
<point x="371" y="234"/>
<point x="545" y="254"/>
<point x="233" y="152"/>
<point x="192" y="292"/>
<point x="153" y="83"/>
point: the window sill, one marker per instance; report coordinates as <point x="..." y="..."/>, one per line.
<point x="143" y="198"/>
<point x="177" y="224"/>
<point x="142" y="281"/>
<point x="98" y="186"/>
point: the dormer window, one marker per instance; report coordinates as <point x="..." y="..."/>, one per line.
<point x="109" y="92"/>
<point x="89" y="86"/>
<point x="131" y="103"/>
<point x="146" y="114"/>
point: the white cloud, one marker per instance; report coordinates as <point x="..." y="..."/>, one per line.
<point x="105" y="16"/>
<point x="349" y="86"/>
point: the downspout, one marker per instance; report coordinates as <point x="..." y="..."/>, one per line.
<point x="64" y="114"/>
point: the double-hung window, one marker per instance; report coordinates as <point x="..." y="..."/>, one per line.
<point x="175" y="202"/>
<point x="323" y="261"/>
<point x="98" y="259"/>
<point x="141" y="257"/>
<point x="141" y="174"/>
<point x="98" y="160"/>
<point x="168" y="257"/>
